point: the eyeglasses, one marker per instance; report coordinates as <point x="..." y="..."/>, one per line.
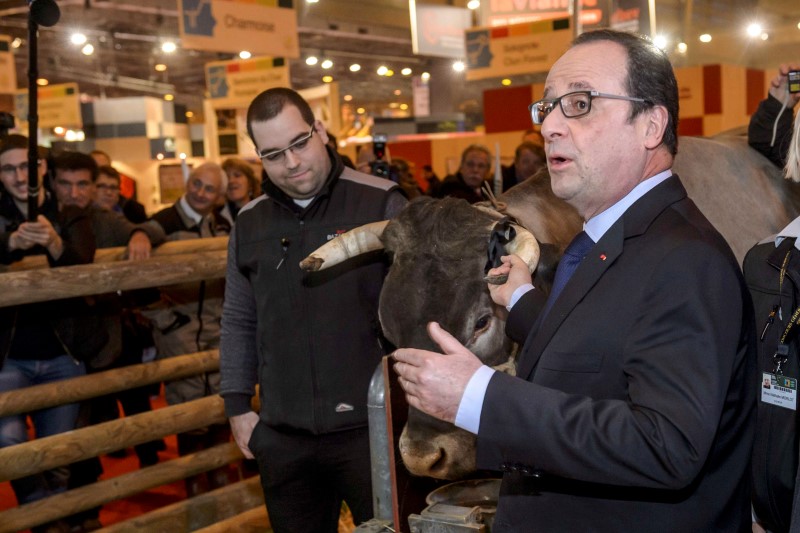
<point x="277" y="156"/>
<point x="11" y="170"/>
<point x="574" y="104"/>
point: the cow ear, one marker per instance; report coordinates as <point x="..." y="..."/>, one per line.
<point x="657" y="119"/>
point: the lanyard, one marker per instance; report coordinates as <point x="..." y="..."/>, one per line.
<point x="781" y="355"/>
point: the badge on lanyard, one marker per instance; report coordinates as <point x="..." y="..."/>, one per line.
<point x="779" y="390"/>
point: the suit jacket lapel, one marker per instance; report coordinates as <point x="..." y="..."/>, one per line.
<point x="633" y="222"/>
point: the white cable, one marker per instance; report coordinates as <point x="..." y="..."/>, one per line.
<point x="775" y="125"/>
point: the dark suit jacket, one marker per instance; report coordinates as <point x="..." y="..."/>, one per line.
<point x="636" y="404"/>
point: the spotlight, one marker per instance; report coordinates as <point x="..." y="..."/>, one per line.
<point x="355" y="67"/>
<point x="311" y="61"/>
<point x="406" y="72"/>
<point x="244" y="54"/>
<point x="459" y="66"/>
<point x="705" y="38"/>
<point x="88" y="49"/>
<point x="754" y="29"/>
<point x="168" y="47"/>
<point x="326" y="64"/>
<point x="77" y="39"/>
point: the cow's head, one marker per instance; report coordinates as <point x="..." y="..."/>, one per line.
<point x="439" y="253"/>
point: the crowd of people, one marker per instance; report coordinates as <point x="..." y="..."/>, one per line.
<point x="643" y="418"/>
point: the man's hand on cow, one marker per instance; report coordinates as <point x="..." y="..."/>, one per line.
<point x="242" y="427"/>
<point x="779" y="87"/>
<point x="434" y="383"/>
<point x="518" y="274"/>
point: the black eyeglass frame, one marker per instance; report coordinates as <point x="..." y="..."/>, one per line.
<point x="272" y="157"/>
<point x="536" y="110"/>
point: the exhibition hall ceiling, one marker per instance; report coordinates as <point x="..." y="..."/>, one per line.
<point x="127" y="36"/>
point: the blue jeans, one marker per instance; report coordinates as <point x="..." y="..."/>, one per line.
<point x="18" y="374"/>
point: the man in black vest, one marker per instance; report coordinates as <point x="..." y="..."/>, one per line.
<point x="309" y="340"/>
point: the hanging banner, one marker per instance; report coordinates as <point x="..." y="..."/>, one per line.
<point x="58" y="105"/>
<point x="239" y="81"/>
<point x="438" y="30"/>
<point x="623" y="15"/>
<point x="262" y="27"/>
<point x="519" y="49"/>
<point x="8" y="71"/>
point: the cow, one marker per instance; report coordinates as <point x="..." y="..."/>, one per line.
<point x="439" y="254"/>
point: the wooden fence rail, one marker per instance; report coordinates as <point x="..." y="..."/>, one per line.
<point x="102" y="383"/>
<point x="31" y="281"/>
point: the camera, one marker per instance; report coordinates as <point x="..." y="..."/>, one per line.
<point x="794" y="81"/>
<point x="380" y="167"/>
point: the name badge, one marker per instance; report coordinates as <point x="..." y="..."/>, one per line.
<point x="779" y="390"/>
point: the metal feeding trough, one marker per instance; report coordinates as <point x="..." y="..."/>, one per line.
<point x="463" y="506"/>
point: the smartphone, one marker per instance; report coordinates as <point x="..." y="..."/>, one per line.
<point x="794" y="81"/>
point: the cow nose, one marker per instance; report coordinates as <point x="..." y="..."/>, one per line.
<point x="424" y="460"/>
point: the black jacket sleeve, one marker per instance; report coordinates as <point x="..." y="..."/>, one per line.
<point x="76" y="231"/>
<point x="762" y="124"/>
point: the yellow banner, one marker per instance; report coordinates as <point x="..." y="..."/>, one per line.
<point x="8" y="71"/>
<point x="525" y="48"/>
<point x="58" y="105"/>
<point x="239" y="81"/>
<point x="260" y="27"/>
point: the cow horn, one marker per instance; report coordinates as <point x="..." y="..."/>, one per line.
<point x="525" y="246"/>
<point x="357" y="241"/>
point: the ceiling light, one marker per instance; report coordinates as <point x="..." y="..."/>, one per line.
<point x="311" y="61"/>
<point x="394" y="105"/>
<point x="425" y="76"/>
<point x="506" y="82"/>
<point x="244" y="54"/>
<point x="355" y="67"/>
<point x="70" y="136"/>
<point x="311" y="1"/>
<point x="87" y="49"/>
<point x="326" y="64"/>
<point x="77" y="39"/>
<point x="459" y="66"/>
<point x="389" y="72"/>
<point x="382" y="70"/>
<point x="168" y="47"/>
<point x="682" y="47"/>
<point x="764" y="36"/>
<point x="361" y="110"/>
<point x="406" y="72"/>
<point x="798" y="27"/>
<point x="397" y="92"/>
<point x="660" y="41"/>
<point x="189" y="114"/>
<point x="169" y="97"/>
<point x="80" y="136"/>
<point x="327" y="79"/>
<point x="161" y="67"/>
<point x="348" y="97"/>
<point x="59" y="130"/>
<point x="160" y="156"/>
<point x="17" y="42"/>
<point x="41" y="82"/>
<point x="754" y="30"/>
<point x="705" y="38"/>
<point x="403" y="106"/>
<point x="473" y="4"/>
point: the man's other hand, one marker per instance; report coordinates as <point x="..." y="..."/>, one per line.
<point x="242" y="427"/>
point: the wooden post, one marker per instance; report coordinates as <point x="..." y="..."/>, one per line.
<point x="253" y="521"/>
<point x="77" y="389"/>
<point x="197" y="512"/>
<point x="108" y="490"/>
<point x="49" y="452"/>
<point x="84" y="280"/>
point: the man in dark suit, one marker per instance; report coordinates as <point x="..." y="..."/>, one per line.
<point x="633" y="404"/>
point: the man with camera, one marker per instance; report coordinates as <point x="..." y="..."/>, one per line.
<point x="770" y="127"/>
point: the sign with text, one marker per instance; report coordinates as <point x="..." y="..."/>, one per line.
<point x="58" y="105"/>
<point x="8" y="71"/>
<point x="262" y="27"/>
<point x="237" y="82"/>
<point x="525" y="48"/>
<point x="439" y="30"/>
<point x="623" y="15"/>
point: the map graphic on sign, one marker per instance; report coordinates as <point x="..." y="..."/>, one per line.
<point x="197" y="17"/>
<point x="217" y="81"/>
<point x="478" y="52"/>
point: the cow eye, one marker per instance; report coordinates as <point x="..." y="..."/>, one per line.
<point x="482" y="322"/>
